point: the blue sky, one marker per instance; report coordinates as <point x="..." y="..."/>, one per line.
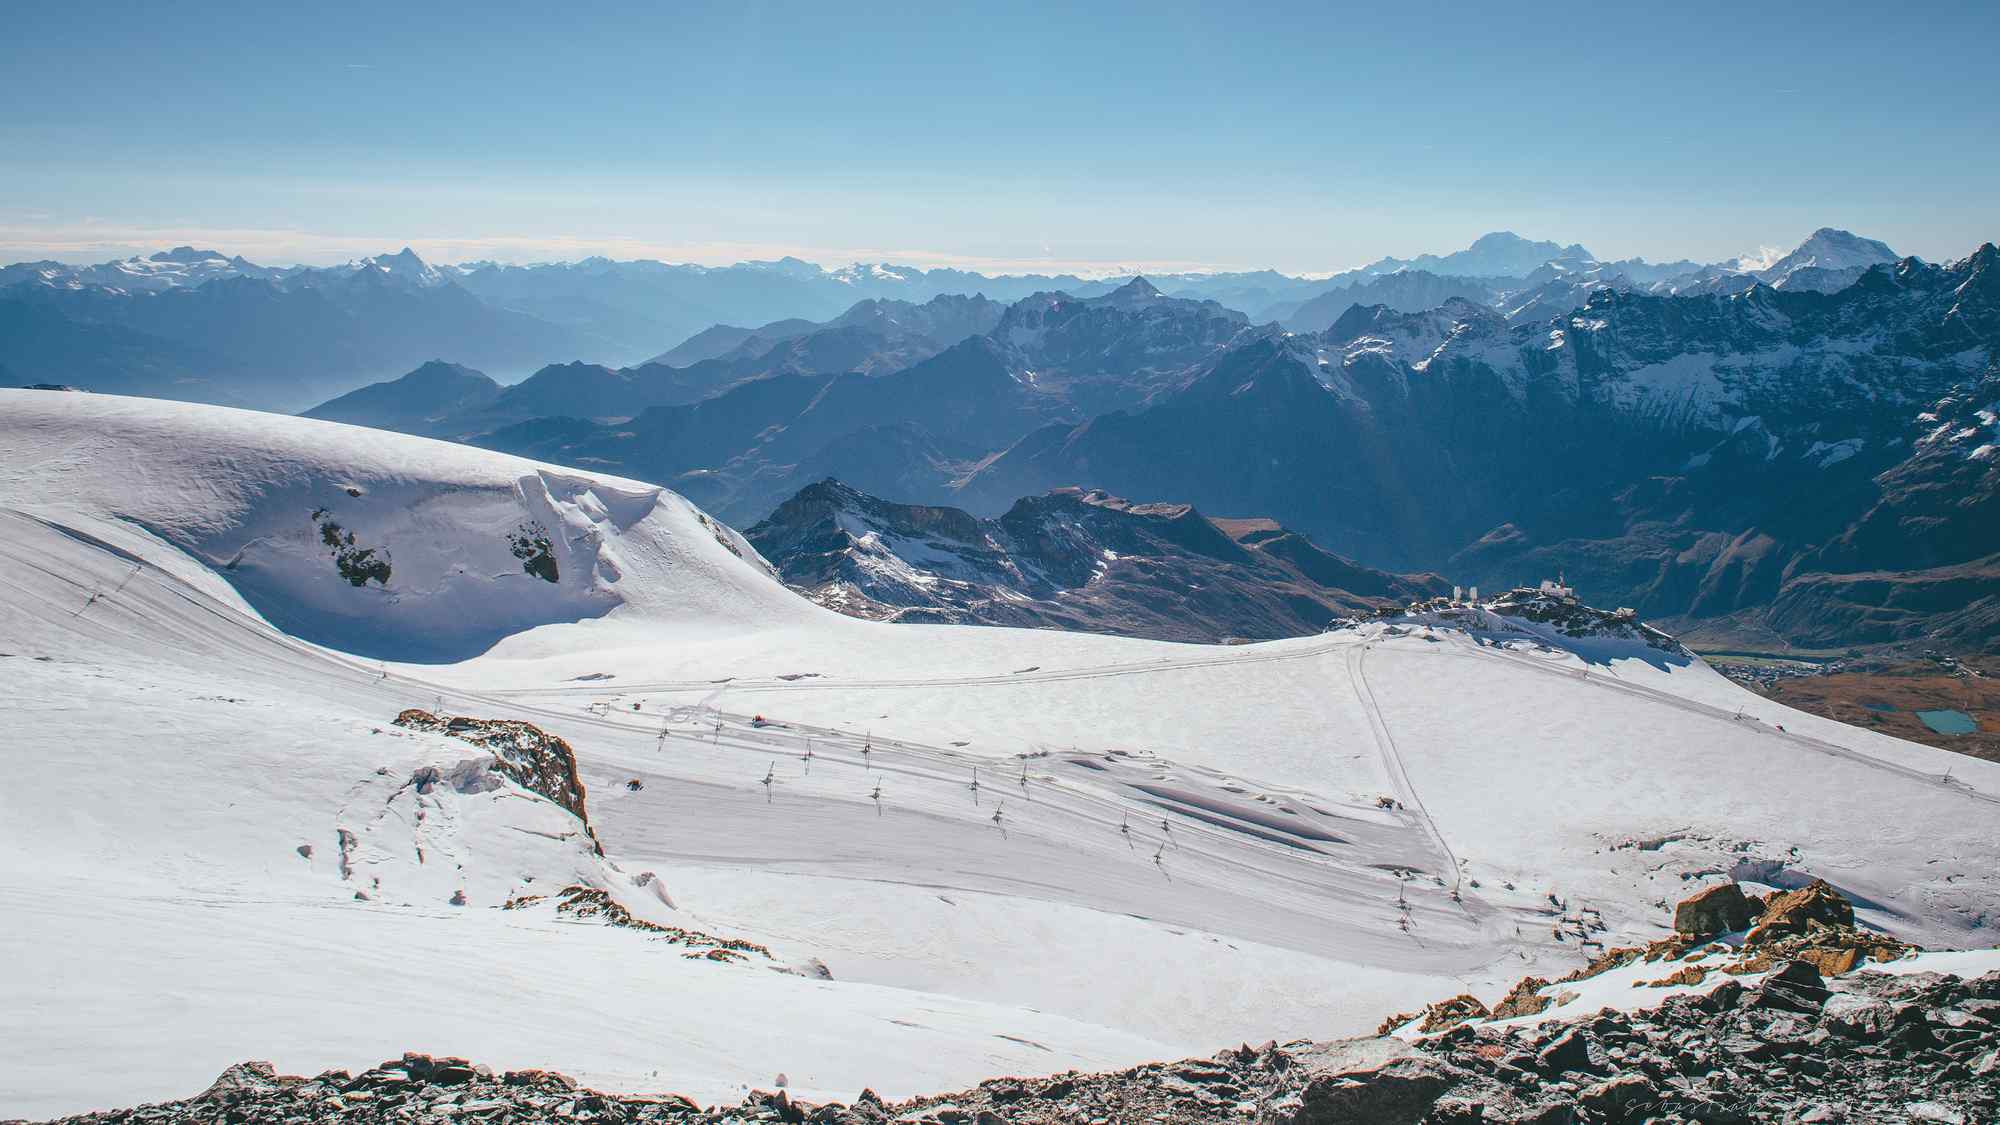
<point x="1307" y="137"/>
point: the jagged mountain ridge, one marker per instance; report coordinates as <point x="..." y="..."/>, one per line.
<point x="1680" y="454"/>
<point x="1407" y="291"/>
<point x="1069" y="559"/>
<point x="226" y="329"/>
<point x="743" y="433"/>
<point x="1117" y="350"/>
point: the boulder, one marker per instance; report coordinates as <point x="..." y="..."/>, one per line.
<point x="246" y="1076"/>
<point x="1567" y="1051"/>
<point x="1450" y="1013"/>
<point x="1720" y="909"/>
<point x="1619" y="1099"/>
<point x="1857" y="1017"/>
<point x="1401" y="1092"/>
<point x="1794" y="987"/>
<point x="1832" y="962"/>
<point x="1792" y="912"/>
<point x="1525" y="999"/>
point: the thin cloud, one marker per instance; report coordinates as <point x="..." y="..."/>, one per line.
<point x="1762" y="258"/>
<point x="96" y="242"/>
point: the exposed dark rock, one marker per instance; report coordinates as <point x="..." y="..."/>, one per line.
<point x="1618" y="1099"/>
<point x="1525" y="999"/>
<point x="1791" y="912"/>
<point x="1885" y="1048"/>
<point x="579" y="901"/>
<point x="1070" y="559"/>
<point x="1399" y="1092"/>
<point x="1797" y="987"/>
<point x="352" y="561"/>
<point x="1719" y="909"/>
<point x="530" y="543"/>
<point x="1450" y="1013"/>
<point x="1568" y="1051"/>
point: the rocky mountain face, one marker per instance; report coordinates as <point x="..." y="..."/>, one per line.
<point x="739" y="453"/>
<point x="1115" y="351"/>
<point x="1828" y="260"/>
<point x="1069" y="559"/>
<point x="1407" y="291"/>
<point x="1924" y="557"/>
<point x="939" y="322"/>
<point x="1693" y="456"/>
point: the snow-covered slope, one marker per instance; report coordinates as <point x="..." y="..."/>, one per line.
<point x="1169" y="848"/>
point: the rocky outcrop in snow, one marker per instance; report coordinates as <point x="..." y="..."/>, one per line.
<point x="535" y="759"/>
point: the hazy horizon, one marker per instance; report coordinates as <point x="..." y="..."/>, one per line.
<point x="456" y="252"/>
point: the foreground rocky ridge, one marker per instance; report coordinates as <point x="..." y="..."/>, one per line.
<point x="1794" y="1044"/>
<point x="1794" y="1047"/>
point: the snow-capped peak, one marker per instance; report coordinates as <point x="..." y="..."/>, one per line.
<point x="188" y="255"/>
<point x="404" y="265"/>
<point x="1135" y="291"/>
<point x="1829" y="249"/>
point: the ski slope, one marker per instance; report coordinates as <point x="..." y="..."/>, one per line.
<point x="1168" y="848"/>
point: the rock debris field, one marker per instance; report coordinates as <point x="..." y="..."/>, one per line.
<point x="1922" y="1047"/>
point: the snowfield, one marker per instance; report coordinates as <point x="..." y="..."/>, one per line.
<point x="1013" y="851"/>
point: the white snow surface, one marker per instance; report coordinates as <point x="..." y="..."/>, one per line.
<point x="1171" y="848"/>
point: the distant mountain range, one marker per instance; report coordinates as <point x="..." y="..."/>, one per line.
<point x="1537" y="280"/>
<point x="204" y="325"/>
<point x="211" y="329"/>
<point x="873" y="337"/>
<point x="878" y="396"/>
<point x="1779" y="451"/>
<point x="1070" y="559"/>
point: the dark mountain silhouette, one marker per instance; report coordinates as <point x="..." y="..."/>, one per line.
<point x="1069" y="559"/>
